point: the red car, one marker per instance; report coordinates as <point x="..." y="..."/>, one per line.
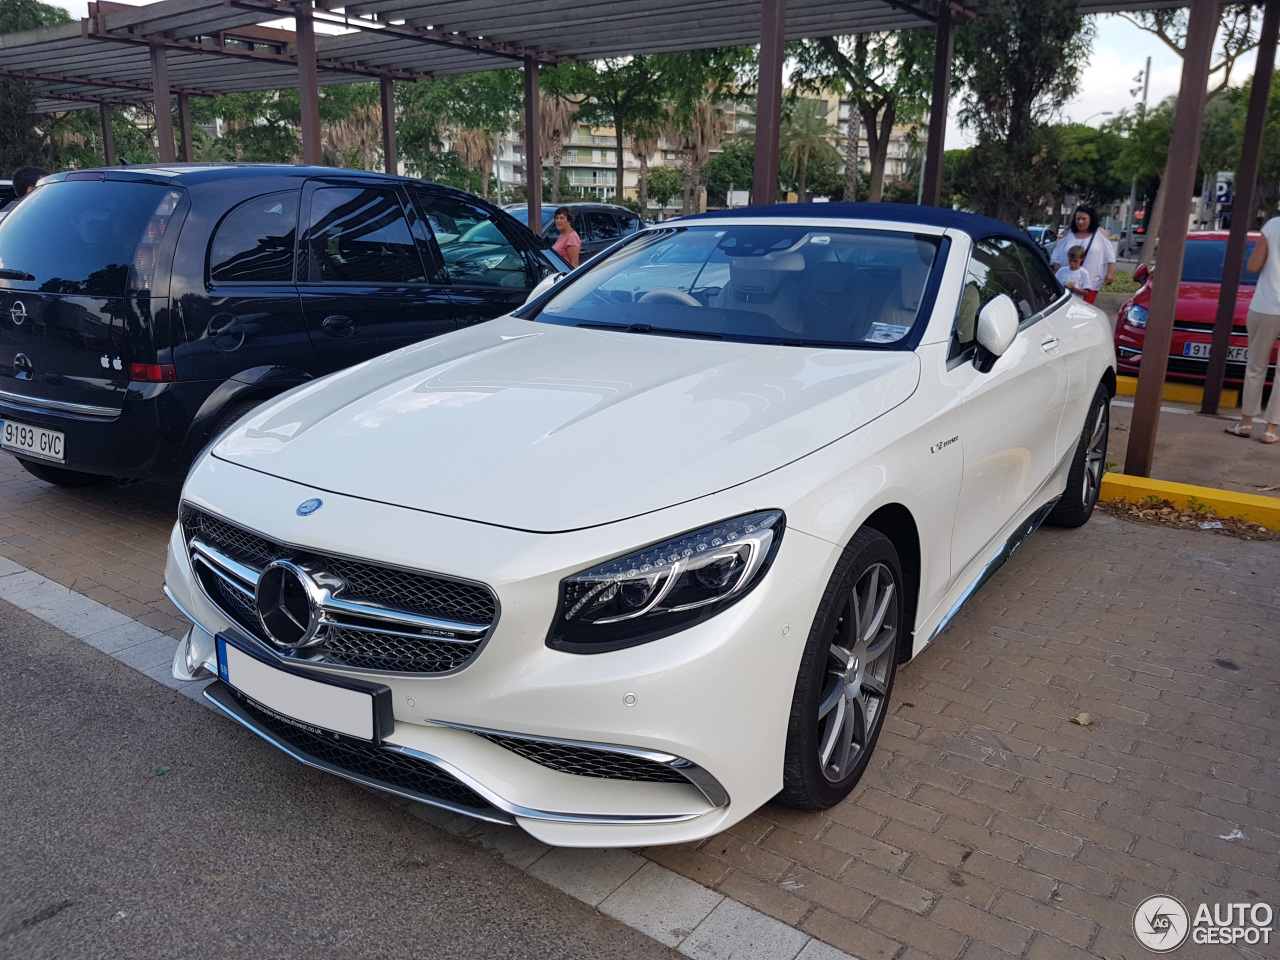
<point x="1193" y="318"/>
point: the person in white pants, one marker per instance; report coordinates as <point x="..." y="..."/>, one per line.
<point x="1263" y="324"/>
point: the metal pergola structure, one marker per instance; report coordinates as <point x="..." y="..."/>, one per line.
<point x="123" y="54"/>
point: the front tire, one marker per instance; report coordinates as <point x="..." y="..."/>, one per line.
<point x="1089" y="463"/>
<point x="61" y="476"/>
<point x="846" y="675"/>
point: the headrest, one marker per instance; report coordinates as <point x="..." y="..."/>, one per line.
<point x="761" y="275"/>
<point x="914" y="276"/>
<point x="830" y="276"/>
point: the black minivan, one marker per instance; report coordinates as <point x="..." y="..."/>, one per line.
<point x="143" y="309"/>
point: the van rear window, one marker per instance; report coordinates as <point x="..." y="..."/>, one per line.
<point x="83" y="237"/>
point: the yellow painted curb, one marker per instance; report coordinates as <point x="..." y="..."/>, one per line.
<point x="1181" y="392"/>
<point x="1225" y="503"/>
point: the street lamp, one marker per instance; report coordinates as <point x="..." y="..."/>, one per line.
<point x="1104" y="113"/>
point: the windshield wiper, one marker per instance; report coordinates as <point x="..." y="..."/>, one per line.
<point x="7" y="274"/>
<point x="646" y="328"/>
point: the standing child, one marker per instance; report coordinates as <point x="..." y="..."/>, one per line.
<point x="1074" y="276"/>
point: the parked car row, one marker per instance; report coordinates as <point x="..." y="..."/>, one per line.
<point x="599" y="225"/>
<point x="619" y="565"/>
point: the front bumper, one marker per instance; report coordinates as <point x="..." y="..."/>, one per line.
<point x="1182" y="366"/>
<point x="714" y="699"/>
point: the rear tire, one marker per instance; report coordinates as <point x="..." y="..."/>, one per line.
<point x="846" y="675"/>
<point x="61" y="476"/>
<point x="1089" y="463"/>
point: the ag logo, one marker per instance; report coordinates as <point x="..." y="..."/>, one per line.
<point x="1160" y="923"/>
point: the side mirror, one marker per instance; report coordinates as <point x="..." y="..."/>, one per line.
<point x="1140" y="275"/>
<point x="997" y="326"/>
<point x="545" y="284"/>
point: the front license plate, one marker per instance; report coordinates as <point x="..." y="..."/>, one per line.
<point x="1200" y="351"/>
<point x="340" y="707"/>
<point x="37" y="441"/>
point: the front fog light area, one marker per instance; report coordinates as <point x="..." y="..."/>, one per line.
<point x="665" y="588"/>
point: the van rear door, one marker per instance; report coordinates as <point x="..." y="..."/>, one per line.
<point x="79" y="262"/>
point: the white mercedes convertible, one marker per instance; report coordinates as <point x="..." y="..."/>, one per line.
<point x="630" y="562"/>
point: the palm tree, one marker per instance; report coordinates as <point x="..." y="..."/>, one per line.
<point x="358" y="137"/>
<point x="556" y="114"/>
<point x="476" y="149"/>
<point x="643" y="147"/>
<point x="703" y="130"/>
<point x="806" y="137"/>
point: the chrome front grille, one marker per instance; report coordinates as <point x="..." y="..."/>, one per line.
<point x="371" y="617"/>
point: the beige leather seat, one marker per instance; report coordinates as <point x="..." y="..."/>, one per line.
<point x="901" y="310"/>
<point x="768" y="285"/>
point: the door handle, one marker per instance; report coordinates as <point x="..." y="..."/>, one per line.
<point x="1050" y="345"/>
<point x="338" y="326"/>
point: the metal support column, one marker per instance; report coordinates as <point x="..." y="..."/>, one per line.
<point x="389" y="154"/>
<point x="184" y="126"/>
<point x="773" y="40"/>
<point x="308" y="85"/>
<point x="533" y="145"/>
<point x="1242" y="208"/>
<point x="108" y="135"/>
<point x="164" y="110"/>
<point x="943" y="54"/>
<point x="1177" y="186"/>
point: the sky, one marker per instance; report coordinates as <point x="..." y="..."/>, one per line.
<point x="1119" y="53"/>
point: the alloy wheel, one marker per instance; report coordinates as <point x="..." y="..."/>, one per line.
<point x="859" y="661"/>
<point x="1095" y="456"/>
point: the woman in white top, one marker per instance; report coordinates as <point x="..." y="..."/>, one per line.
<point x="1100" y="252"/>
<point x="1263" y="324"/>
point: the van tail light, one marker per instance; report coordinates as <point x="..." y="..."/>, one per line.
<point x="152" y="373"/>
<point x="142" y="275"/>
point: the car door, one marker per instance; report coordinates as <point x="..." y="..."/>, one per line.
<point x="365" y="287"/>
<point x="604" y="231"/>
<point x="490" y="272"/>
<point x="1011" y="413"/>
<point x="237" y="297"/>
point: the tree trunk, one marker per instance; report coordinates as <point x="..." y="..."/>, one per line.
<point x="1056" y="223"/>
<point x="695" y="184"/>
<point x="851" y="156"/>
<point x="801" y="176"/>
<point x="643" y="186"/>
<point x="557" y="156"/>
<point x="1153" y="229"/>
<point x="620" y="192"/>
<point x="686" y="175"/>
<point x="879" y="130"/>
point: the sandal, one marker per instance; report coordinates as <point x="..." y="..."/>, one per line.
<point x="1238" y="429"/>
<point x="1268" y="437"/>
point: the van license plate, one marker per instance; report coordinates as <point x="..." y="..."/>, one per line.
<point x="37" y="441"/>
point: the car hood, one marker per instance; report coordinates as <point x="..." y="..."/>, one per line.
<point x="1198" y="302"/>
<point x="548" y="428"/>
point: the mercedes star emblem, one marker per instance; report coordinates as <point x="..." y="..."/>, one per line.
<point x="307" y="507"/>
<point x="288" y="602"/>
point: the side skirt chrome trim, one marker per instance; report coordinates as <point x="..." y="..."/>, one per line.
<point x="1016" y="539"/>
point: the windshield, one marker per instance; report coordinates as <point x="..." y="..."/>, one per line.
<point x="1205" y="261"/>
<point x="774" y="284"/>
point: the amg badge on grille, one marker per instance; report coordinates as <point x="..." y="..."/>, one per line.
<point x="307" y="507"/>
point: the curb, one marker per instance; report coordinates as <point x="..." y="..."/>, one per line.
<point x="1180" y="392"/>
<point x="1225" y="503"/>
<point x="694" y="920"/>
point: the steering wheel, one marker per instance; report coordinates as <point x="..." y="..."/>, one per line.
<point x="663" y="294"/>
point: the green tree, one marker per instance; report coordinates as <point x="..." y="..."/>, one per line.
<point x="24" y="133"/>
<point x="1086" y="167"/>
<point x="887" y="77"/>
<point x="665" y="184"/>
<point x="1018" y="62"/>
<point x="733" y="168"/>
<point x="1239" y="31"/>
<point x="806" y="142"/>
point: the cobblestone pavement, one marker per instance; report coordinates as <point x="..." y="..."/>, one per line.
<point x="988" y="825"/>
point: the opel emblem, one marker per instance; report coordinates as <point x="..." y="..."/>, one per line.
<point x="288" y="603"/>
<point x="23" y="368"/>
<point x="18" y="312"/>
<point x="307" y="507"/>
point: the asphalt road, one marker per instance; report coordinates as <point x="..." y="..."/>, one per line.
<point x="234" y="850"/>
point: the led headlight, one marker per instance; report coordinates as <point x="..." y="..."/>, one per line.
<point x="665" y="588"/>
<point x="1137" y="316"/>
